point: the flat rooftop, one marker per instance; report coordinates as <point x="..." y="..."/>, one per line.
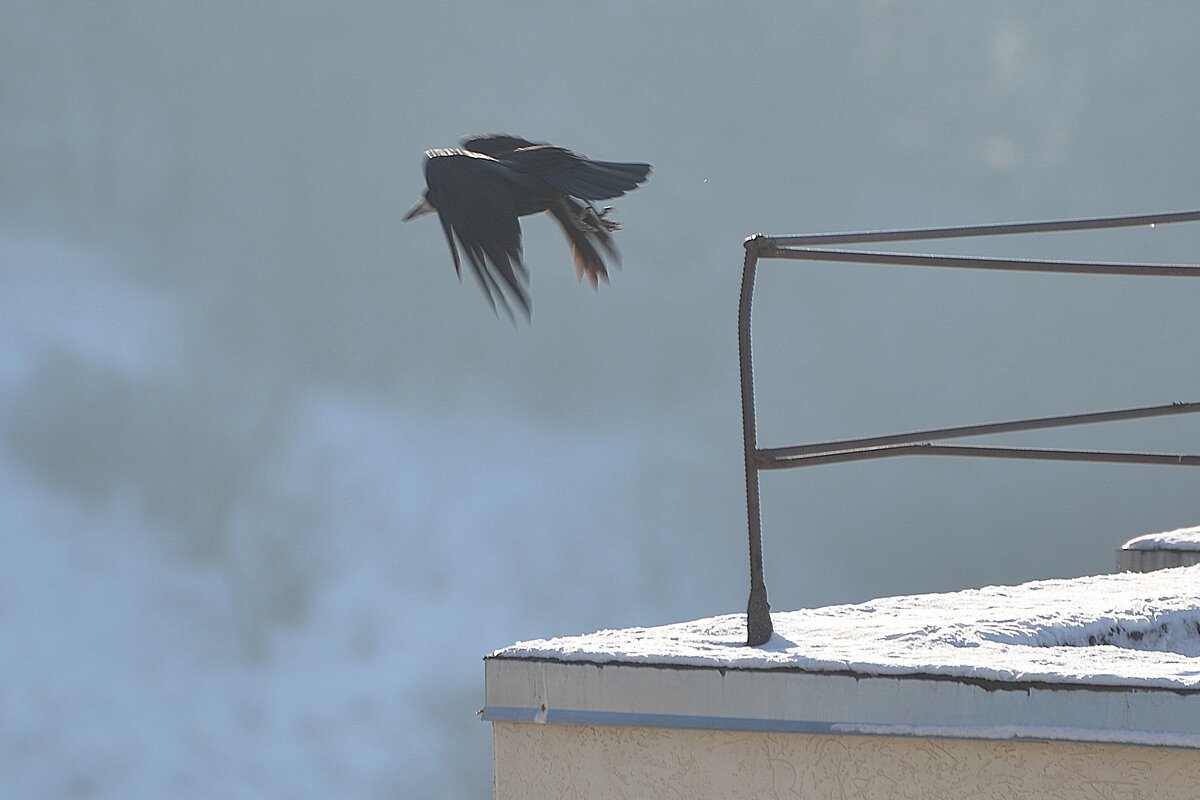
<point x="1111" y="658"/>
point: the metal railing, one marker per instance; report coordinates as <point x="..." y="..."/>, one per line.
<point x="810" y="247"/>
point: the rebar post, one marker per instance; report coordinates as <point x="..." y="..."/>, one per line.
<point x="758" y="610"/>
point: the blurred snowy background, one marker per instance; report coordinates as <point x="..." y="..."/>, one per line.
<point x="272" y="481"/>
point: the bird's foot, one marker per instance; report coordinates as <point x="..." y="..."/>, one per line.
<point x="597" y="221"/>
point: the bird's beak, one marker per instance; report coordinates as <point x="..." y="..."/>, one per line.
<point x="422" y="207"/>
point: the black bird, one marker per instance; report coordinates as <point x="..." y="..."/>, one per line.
<point x="480" y="190"/>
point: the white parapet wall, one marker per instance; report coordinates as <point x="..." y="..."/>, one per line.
<point x="1177" y="548"/>
<point x="1079" y="688"/>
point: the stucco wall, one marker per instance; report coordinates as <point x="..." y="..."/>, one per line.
<point x="550" y="762"/>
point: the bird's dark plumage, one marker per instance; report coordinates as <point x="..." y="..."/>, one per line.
<point x="480" y="190"/>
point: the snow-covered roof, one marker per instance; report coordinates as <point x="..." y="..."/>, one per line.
<point x="1122" y="630"/>
<point x="1179" y="539"/>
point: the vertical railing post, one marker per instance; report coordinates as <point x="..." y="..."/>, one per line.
<point x="758" y="610"/>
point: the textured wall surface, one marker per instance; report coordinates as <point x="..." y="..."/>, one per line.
<point x="1150" y="560"/>
<point x="533" y="762"/>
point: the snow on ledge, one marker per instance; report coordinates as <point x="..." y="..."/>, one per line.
<point x="1187" y="539"/>
<point x="1124" y="630"/>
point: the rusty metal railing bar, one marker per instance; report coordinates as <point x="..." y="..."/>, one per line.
<point x="983" y="451"/>
<point x="979" y="262"/>
<point x="998" y="229"/>
<point x="758" y="610"/>
<point x="768" y="456"/>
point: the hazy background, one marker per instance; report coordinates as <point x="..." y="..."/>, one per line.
<point x="272" y="481"/>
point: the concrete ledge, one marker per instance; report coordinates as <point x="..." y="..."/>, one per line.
<point x="783" y="701"/>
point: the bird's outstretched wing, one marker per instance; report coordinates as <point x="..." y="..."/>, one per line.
<point x="578" y="176"/>
<point x="475" y="204"/>
<point x="496" y="145"/>
<point x="566" y="171"/>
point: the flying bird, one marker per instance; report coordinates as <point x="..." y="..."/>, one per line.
<point x="481" y="189"/>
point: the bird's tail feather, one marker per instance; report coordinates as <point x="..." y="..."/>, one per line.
<point x="583" y="242"/>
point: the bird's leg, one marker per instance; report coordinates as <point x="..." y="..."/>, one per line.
<point x="595" y="221"/>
